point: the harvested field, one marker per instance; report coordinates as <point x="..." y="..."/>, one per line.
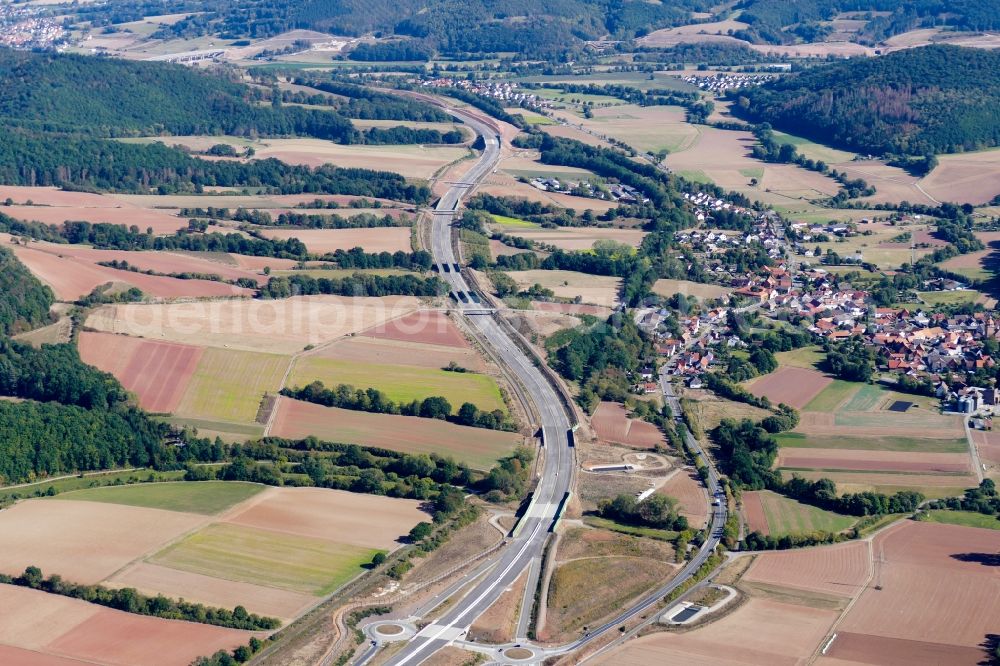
<point x="157" y="372"/>
<point x="152" y="260"/>
<point x="262" y="557"/>
<point x="840" y="569"/>
<point x="63" y="632"/>
<point x="931" y="577"/>
<point x="427" y="326"/>
<point x="612" y="424"/>
<point x="931" y="485"/>
<point x="204" y="497"/>
<point x="695" y="33"/>
<point x="647" y="129"/>
<point x="724" y="157"/>
<point x="688" y="288"/>
<point x="965" y="177"/>
<point x="379" y="351"/>
<point x="988" y="444"/>
<point x="892" y="184"/>
<point x="162" y="222"/>
<point x="153" y="579"/>
<point x="368" y="521"/>
<point x="887" y="461"/>
<point x="115" y="637"/>
<point x="82" y="541"/>
<point x="71" y="279"/>
<point x="762" y="632"/>
<point x="692" y="501"/>
<point x="591" y="289"/>
<point x="228" y="385"/>
<point x="572" y="308"/>
<point x="477" y="447"/>
<point x="578" y="238"/>
<point x="753" y="513"/>
<point x="323" y="241"/>
<point x="410" y="161"/>
<point x="53" y="196"/>
<point x="792" y="386"/>
<point x="401" y="383"/>
<point x="281" y="326"/>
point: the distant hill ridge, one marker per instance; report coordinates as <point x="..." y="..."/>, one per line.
<point x="929" y="100"/>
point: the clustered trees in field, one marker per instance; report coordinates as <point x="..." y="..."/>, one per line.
<point x="657" y="511"/>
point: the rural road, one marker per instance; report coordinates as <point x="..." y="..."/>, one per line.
<point x="559" y="460"/>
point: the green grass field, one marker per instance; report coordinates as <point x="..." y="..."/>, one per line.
<point x="786" y="516"/>
<point x="813" y="150"/>
<point x="829" y="398"/>
<point x="91" y="480"/>
<point x="696" y="177"/>
<point x="650" y="532"/>
<point x="797" y="440"/>
<point x="965" y="518"/>
<point x="228" y="385"/>
<point x="514" y="222"/>
<point x="935" y="298"/>
<point x="204" y="497"/>
<point x="262" y="557"/>
<point x="914" y="418"/>
<point x="806" y="357"/>
<point x="865" y="399"/>
<point x="401" y="383"/>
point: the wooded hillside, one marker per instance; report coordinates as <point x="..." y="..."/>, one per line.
<point x="934" y="99"/>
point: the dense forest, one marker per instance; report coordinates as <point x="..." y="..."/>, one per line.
<point x="782" y="22"/>
<point x="449" y="26"/>
<point x="24" y="301"/>
<point x="933" y="99"/>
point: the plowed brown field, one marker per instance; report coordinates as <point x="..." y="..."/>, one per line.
<point x="753" y="512"/>
<point x="762" y="632"/>
<point x="934" y="586"/>
<point x="80" y="543"/>
<point x="841" y="569"/>
<point x="157" y="372"/>
<point x="887" y="461"/>
<point x="162" y="222"/>
<point x="612" y="424"/>
<point x="122" y="639"/>
<point x="792" y="386"/>
<point x="427" y="326"/>
<point x="692" y="502"/>
<point x="71" y="279"/>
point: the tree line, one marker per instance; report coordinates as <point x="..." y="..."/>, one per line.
<point x="373" y="400"/>
<point x="129" y="600"/>
<point x="358" y="285"/>
<point x="24" y="301"/>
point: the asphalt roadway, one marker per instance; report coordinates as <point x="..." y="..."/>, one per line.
<point x="558" y="458"/>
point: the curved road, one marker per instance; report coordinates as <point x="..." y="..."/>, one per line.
<point x="558" y="455"/>
<point x="559" y="459"/>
